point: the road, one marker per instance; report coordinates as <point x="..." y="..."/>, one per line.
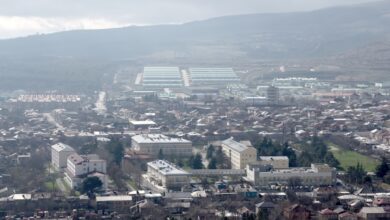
<point x="52" y="121"/>
<point x="101" y="103"/>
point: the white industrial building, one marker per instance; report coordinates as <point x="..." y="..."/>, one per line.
<point x="316" y="175"/>
<point x="83" y="166"/>
<point x="59" y="155"/>
<point x="213" y="76"/>
<point x="153" y="144"/>
<point x="166" y="176"/>
<point x="162" y="77"/>
<point x="240" y="154"/>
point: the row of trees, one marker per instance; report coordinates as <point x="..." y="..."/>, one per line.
<point x="216" y="158"/>
<point x="267" y="147"/>
<point x="383" y="171"/>
<point x="316" y="151"/>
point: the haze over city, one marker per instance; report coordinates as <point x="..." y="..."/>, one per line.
<point x="20" y="18"/>
<point x="184" y="109"/>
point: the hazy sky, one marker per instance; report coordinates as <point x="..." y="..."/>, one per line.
<point x="26" y="17"/>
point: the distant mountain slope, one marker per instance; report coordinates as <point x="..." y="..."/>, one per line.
<point x="353" y="37"/>
<point x="270" y="36"/>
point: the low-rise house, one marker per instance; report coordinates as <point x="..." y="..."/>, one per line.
<point x="373" y="213"/>
<point x="348" y="216"/>
<point x="118" y="203"/>
<point x="327" y="214"/>
<point x="265" y="207"/>
<point x="296" y="212"/>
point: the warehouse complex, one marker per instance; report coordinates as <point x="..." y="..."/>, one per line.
<point x="171" y="77"/>
<point x="213" y="76"/>
<point x="162" y="77"/>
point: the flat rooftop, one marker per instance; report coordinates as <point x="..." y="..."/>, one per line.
<point x="166" y="168"/>
<point x="234" y="145"/>
<point x="146" y="122"/>
<point x="272" y="158"/>
<point x="213" y="75"/>
<point x="162" y="76"/>
<point x="157" y="138"/>
<point x="62" y="147"/>
<point x="114" y="198"/>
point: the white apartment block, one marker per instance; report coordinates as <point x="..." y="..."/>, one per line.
<point x="82" y="166"/>
<point x="153" y="143"/>
<point x="59" y="155"/>
<point x="166" y="176"/>
<point x="240" y="154"/>
<point x="277" y="162"/>
<point x="316" y="175"/>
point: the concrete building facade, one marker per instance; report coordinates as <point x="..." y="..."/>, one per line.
<point x="316" y="175"/>
<point x="277" y="162"/>
<point x="59" y="155"/>
<point x="240" y="154"/>
<point x="167" y="176"/>
<point x="83" y="166"/>
<point x="153" y="144"/>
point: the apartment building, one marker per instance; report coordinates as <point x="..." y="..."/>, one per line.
<point x="240" y="154"/>
<point x="59" y="155"/>
<point x="316" y="175"/>
<point x="80" y="167"/>
<point x="166" y="176"/>
<point x="153" y="144"/>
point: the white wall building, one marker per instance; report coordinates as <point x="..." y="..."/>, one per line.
<point x="240" y="154"/>
<point x="82" y="166"/>
<point x="59" y="155"/>
<point x="166" y="176"/>
<point x="277" y="162"/>
<point x="153" y="143"/>
<point x="316" y="175"/>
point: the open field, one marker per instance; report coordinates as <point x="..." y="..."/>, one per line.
<point x="349" y="158"/>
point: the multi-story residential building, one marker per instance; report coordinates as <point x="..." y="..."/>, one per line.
<point x="277" y="162"/>
<point x="316" y="175"/>
<point x="59" y="155"/>
<point x="240" y="154"/>
<point x="166" y="176"/>
<point x="82" y="166"/>
<point x="153" y="144"/>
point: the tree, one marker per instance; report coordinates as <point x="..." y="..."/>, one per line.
<point x="210" y="151"/>
<point x="212" y="164"/>
<point x="331" y="160"/>
<point x="220" y="157"/>
<point x="90" y="184"/>
<point x="305" y="159"/>
<point x="290" y="153"/>
<point x="356" y="174"/>
<point x="115" y="147"/>
<point x="382" y="169"/>
<point x="196" y="162"/>
<point x="263" y="214"/>
<point x="160" y="154"/>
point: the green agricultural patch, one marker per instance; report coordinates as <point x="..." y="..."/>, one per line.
<point x="348" y="158"/>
